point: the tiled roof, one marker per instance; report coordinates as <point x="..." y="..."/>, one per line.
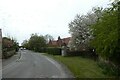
<point x="60" y="42"/>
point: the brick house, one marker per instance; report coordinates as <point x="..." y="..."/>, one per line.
<point x="60" y="42"/>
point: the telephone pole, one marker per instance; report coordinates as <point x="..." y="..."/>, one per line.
<point x="0" y="44"/>
<point x="0" y="54"/>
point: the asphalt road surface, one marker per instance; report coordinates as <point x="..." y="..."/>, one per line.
<point x="34" y="65"/>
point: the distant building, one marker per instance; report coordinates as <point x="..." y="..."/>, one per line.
<point x="0" y="44"/>
<point x="60" y="42"/>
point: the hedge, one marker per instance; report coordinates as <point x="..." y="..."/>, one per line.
<point x="88" y="54"/>
<point x="53" y="51"/>
<point x="7" y="54"/>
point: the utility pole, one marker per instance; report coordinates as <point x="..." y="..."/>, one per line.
<point x="0" y="44"/>
<point x="0" y="54"/>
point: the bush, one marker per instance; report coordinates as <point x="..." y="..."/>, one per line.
<point x="88" y="54"/>
<point x="106" y="39"/>
<point x="109" y="69"/>
<point x="53" y="51"/>
<point x="73" y="53"/>
<point x="42" y="50"/>
<point x="6" y="54"/>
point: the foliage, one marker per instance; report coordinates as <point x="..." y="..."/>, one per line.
<point x="80" y="27"/>
<point x="9" y="43"/>
<point x="15" y="45"/>
<point x="105" y="33"/>
<point x="88" y="54"/>
<point x="48" y="38"/>
<point x="53" y="50"/>
<point x="10" y="46"/>
<point x="81" y="67"/>
<point x="102" y="32"/>
<point x="8" y="53"/>
<point x="25" y="44"/>
<point x="109" y="69"/>
<point x="36" y="42"/>
<point x="6" y="42"/>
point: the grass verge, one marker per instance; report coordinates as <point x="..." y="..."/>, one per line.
<point x="80" y="67"/>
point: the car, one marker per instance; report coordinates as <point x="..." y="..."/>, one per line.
<point x="21" y="48"/>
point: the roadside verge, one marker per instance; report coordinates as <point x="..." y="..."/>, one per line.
<point x="64" y="67"/>
<point x="80" y="67"/>
<point x="6" y="62"/>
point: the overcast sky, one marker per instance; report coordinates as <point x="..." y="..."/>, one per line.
<point x="20" y="18"/>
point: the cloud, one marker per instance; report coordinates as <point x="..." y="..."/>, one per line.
<point x="20" y="18"/>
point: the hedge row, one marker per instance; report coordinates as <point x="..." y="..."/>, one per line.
<point x="6" y="54"/>
<point x="88" y="54"/>
<point x="53" y="51"/>
<point x="57" y="51"/>
<point x="50" y="50"/>
<point x="109" y="68"/>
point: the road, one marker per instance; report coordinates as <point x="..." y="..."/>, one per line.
<point x="34" y="65"/>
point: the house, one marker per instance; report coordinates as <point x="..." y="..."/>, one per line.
<point x="60" y="42"/>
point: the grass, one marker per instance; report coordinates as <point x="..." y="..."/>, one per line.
<point x="80" y="67"/>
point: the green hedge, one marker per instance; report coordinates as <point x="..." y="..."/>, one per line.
<point x="7" y="54"/>
<point x="109" y="69"/>
<point x="53" y="51"/>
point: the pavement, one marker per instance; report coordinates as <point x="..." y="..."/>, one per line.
<point x="10" y="60"/>
<point x="28" y="64"/>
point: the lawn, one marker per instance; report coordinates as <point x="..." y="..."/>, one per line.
<point x="80" y="67"/>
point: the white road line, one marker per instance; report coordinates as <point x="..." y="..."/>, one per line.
<point x="57" y="65"/>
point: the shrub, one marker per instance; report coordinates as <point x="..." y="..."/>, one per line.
<point x="42" y="50"/>
<point x="109" y="69"/>
<point x="88" y="54"/>
<point x="6" y="54"/>
<point x="53" y="51"/>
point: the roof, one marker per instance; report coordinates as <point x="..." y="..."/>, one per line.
<point x="66" y="40"/>
<point x="54" y="42"/>
<point x="59" y="42"/>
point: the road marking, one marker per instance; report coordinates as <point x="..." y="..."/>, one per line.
<point x="57" y="65"/>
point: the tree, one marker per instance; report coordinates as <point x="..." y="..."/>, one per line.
<point x="7" y="42"/>
<point x="106" y="35"/>
<point x="80" y="28"/>
<point x="36" y="42"/>
<point x="16" y="45"/>
<point x="48" y="38"/>
<point x="25" y="44"/>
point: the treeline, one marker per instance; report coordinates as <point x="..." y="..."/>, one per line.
<point x="35" y="43"/>
<point x="9" y="47"/>
<point x="99" y="30"/>
<point x="40" y="43"/>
